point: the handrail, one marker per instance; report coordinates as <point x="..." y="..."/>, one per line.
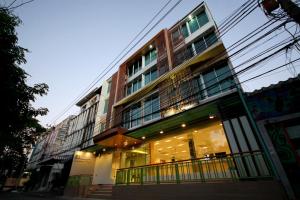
<point x="230" y="167"/>
<point x="193" y="159"/>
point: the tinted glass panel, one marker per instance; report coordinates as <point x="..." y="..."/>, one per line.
<point x="210" y="38"/>
<point x="223" y="73"/>
<point x="184" y="31"/>
<point x="200" y="46"/>
<point x="202" y="18"/>
<point x="193" y="25"/>
<point x="210" y="82"/>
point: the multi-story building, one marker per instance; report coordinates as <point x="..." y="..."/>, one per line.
<point x="173" y="113"/>
<point x="46" y="158"/>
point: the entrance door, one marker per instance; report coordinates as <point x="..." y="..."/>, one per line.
<point x="103" y="170"/>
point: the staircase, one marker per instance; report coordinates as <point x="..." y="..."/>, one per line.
<point x="100" y="192"/>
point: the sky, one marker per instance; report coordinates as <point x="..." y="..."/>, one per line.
<point x="72" y="41"/>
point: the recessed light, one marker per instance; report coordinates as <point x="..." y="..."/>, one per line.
<point x="211" y="116"/>
<point x="190" y="17"/>
<point x="104" y="149"/>
<point x="143" y="137"/>
<point x="150" y="46"/>
<point x="183" y="125"/>
<point x="161" y="132"/>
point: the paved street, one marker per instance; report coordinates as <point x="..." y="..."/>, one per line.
<point x="36" y="196"/>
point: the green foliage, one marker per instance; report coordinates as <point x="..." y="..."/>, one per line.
<point x="19" y="126"/>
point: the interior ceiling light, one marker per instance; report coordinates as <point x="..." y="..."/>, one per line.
<point x="103" y="149"/>
<point x="183" y="125"/>
<point x="195" y="131"/>
<point x="143" y="137"/>
<point x="161" y="132"/>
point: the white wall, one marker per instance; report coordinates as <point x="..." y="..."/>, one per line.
<point x="103" y="170"/>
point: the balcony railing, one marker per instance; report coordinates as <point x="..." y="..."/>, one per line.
<point x="232" y="167"/>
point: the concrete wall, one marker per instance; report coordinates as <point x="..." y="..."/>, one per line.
<point x="209" y="191"/>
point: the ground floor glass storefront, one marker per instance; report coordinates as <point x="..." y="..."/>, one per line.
<point x="198" y="141"/>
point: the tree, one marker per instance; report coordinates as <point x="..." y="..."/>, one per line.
<point x="19" y="127"/>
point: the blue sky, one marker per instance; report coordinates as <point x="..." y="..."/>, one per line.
<point x="72" y="41"/>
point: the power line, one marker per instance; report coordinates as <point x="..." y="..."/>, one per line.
<point x="103" y="73"/>
<point x="98" y="78"/>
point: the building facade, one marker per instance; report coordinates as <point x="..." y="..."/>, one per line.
<point x="173" y="113"/>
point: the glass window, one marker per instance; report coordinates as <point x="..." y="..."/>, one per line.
<point x="193" y="25"/>
<point x="184" y="31"/>
<point x="147" y="58"/>
<point x="150" y="56"/>
<point x="136" y="115"/>
<point x="105" y="106"/>
<point x="200" y="45"/>
<point x="148" y="109"/>
<point x="147" y="78"/>
<point x="129" y="89"/>
<point x="175" y="35"/>
<point x="130" y="71"/>
<point x="210" y="39"/>
<point x="210" y="81"/>
<point x="202" y="18"/>
<point x="126" y="119"/>
<point x="223" y="73"/>
<point x="151" y="108"/>
<point x="155" y="107"/>
<point x="198" y="88"/>
<point x="153" y="74"/>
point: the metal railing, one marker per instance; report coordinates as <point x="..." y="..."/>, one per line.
<point x="231" y="167"/>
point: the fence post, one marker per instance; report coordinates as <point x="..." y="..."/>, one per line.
<point x="142" y="175"/>
<point x="157" y="175"/>
<point x="177" y="173"/>
<point x="128" y="177"/>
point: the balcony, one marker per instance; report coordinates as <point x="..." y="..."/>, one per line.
<point x="231" y="167"/>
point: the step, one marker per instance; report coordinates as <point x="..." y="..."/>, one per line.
<point x="101" y="191"/>
<point x="99" y="196"/>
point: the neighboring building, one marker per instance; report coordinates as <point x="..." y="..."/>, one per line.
<point x="46" y="159"/>
<point x="277" y="111"/>
<point x="173" y="113"/>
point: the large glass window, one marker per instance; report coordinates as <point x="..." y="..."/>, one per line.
<point x="150" y="56"/>
<point x="134" y="86"/>
<point x="217" y="80"/>
<point x="200" y="141"/>
<point x="105" y="106"/>
<point x="202" y="18"/>
<point x="135" y="67"/>
<point x="143" y="111"/>
<point x="193" y="25"/>
<point x="151" y="108"/>
<point x="210" y="39"/>
<point x="196" y="22"/>
<point x="184" y="31"/>
<point x="136" y="115"/>
<point x="150" y="75"/>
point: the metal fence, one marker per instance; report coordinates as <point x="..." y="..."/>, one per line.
<point x="232" y="167"/>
